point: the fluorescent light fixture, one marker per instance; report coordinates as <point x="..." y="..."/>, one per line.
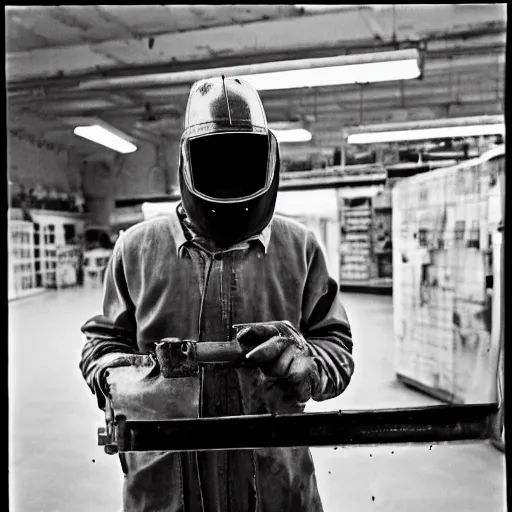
<point x="442" y="129"/>
<point x="287" y="74"/>
<point x="293" y="135"/>
<point x="107" y="137"/>
<point x="352" y="69"/>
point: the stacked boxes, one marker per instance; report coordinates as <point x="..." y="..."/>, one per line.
<point x="442" y="265"/>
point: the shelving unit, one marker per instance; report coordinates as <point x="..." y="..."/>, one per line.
<point x="22" y="279"/>
<point x="356" y="244"/>
<point x="48" y="259"/>
<point x="34" y="249"/>
<point x="365" y="258"/>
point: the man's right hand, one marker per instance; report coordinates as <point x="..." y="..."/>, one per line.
<point x="123" y="361"/>
<point x="138" y="391"/>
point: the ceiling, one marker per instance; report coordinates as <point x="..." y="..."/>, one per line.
<point x="113" y="62"/>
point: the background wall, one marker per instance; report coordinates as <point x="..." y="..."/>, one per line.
<point x="151" y="170"/>
<point x="102" y="177"/>
<point x="29" y="165"/>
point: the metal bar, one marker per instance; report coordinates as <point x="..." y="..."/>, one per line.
<point x="417" y="425"/>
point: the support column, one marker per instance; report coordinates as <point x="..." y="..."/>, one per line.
<point x="151" y="171"/>
<point x="170" y="155"/>
<point x="98" y="183"/>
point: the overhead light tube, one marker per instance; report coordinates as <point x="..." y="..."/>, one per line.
<point x="105" y="137"/>
<point x="293" y="135"/>
<point x="357" y="69"/>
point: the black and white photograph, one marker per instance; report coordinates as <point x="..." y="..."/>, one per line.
<point x="256" y="257"/>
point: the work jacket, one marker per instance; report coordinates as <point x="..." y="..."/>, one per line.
<point x="164" y="282"/>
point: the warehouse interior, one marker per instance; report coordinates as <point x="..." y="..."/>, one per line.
<point x="408" y="137"/>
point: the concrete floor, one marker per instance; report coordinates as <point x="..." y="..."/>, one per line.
<point x="56" y="465"/>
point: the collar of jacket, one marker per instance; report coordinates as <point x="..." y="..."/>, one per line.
<point x="184" y="232"/>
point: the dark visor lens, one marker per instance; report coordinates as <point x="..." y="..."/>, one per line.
<point x="229" y="165"/>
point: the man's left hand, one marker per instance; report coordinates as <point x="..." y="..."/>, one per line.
<point x="281" y="352"/>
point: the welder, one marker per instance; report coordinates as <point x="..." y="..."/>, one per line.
<point x="222" y="258"/>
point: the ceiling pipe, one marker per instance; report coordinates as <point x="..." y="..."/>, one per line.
<point x="381" y="105"/>
<point x="414" y="99"/>
<point x="325" y="113"/>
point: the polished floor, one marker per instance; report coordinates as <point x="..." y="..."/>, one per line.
<point x="56" y="465"/>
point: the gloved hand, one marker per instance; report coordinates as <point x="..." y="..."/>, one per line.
<point x="137" y="390"/>
<point x="286" y="370"/>
<point x="135" y="361"/>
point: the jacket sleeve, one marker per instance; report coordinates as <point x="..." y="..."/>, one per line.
<point x="326" y="326"/>
<point x="112" y="334"/>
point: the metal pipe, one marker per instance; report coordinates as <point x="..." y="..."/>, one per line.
<point x="374" y="94"/>
<point x="416" y="425"/>
<point x="327" y="118"/>
<point x="375" y="99"/>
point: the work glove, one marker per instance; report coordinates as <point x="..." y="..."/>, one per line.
<point x="286" y="377"/>
<point x="137" y="390"/>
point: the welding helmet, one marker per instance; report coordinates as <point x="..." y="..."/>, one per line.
<point x="229" y="161"/>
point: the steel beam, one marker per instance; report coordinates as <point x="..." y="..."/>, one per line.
<point x="438" y="424"/>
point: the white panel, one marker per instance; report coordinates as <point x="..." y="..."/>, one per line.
<point x="320" y="203"/>
<point x="151" y="210"/>
<point x="455" y="357"/>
